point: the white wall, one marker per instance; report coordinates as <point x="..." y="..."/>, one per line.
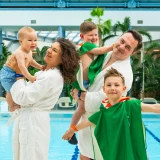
<point x="72" y="18"/>
<point x="48" y="20"/>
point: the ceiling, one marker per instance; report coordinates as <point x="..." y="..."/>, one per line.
<point x="79" y="3"/>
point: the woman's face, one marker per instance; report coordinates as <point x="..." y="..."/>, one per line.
<point x="53" y="55"/>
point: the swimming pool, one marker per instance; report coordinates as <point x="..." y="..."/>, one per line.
<point x="152" y="124"/>
<point x="62" y="150"/>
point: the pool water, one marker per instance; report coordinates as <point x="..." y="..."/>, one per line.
<point x="62" y="150"/>
<point x="153" y="138"/>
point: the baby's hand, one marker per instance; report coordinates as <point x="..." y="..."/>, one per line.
<point x="43" y="67"/>
<point x="32" y="79"/>
<point x="68" y="135"/>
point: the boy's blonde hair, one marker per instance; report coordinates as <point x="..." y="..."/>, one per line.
<point x="113" y="73"/>
<point x="87" y="26"/>
<point x="22" y="32"/>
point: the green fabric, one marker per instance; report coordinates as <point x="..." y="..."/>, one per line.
<point x="96" y="65"/>
<point x="86" y="47"/>
<point x="119" y="131"/>
<point x="95" y="68"/>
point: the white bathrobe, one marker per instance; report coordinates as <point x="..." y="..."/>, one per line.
<point x="31" y="132"/>
<point x="87" y="143"/>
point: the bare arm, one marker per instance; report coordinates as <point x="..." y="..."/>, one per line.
<point x="70" y="132"/>
<point x="88" y="97"/>
<point x="155" y="108"/>
<point x="101" y="50"/>
<point x="21" y="64"/>
<point x="36" y="65"/>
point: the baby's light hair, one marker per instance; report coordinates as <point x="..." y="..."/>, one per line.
<point x="23" y="30"/>
<point x="112" y="72"/>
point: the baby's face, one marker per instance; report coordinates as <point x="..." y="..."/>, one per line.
<point x="91" y="36"/>
<point x="29" y="41"/>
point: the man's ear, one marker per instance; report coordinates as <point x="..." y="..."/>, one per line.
<point x="81" y="36"/>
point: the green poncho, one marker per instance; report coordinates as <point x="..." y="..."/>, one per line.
<point x="119" y="131"/>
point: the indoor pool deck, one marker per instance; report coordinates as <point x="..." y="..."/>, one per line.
<point x="62" y="150"/>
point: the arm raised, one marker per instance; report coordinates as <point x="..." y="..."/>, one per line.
<point x="36" y="65"/>
<point x="155" y="108"/>
<point x="101" y="50"/>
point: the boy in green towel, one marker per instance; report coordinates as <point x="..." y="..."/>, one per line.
<point x="118" y="130"/>
<point x="91" y="63"/>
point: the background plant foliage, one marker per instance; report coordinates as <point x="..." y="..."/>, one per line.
<point x="39" y="57"/>
<point x="126" y="25"/>
<point x="151" y="72"/>
<point x="4" y="55"/>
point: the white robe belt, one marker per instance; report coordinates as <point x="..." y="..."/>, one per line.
<point x="16" y="113"/>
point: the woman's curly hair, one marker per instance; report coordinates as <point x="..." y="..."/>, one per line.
<point x="70" y="60"/>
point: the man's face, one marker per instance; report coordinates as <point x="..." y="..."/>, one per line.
<point x="91" y="36"/>
<point x="124" y="46"/>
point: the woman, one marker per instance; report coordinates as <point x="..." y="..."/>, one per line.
<point x="31" y="132"/>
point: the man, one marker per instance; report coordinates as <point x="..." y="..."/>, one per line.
<point x="119" y="58"/>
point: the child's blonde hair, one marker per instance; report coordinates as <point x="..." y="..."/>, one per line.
<point x="113" y="73"/>
<point x="22" y="32"/>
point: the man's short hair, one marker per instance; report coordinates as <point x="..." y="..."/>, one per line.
<point x="137" y="36"/>
<point x="23" y="30"/>
<point x="112" y="72"/>
<point x="87" y="26"/>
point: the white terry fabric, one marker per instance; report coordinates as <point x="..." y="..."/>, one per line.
<point x="93" y="100"/>
<point x="31" y="131"/>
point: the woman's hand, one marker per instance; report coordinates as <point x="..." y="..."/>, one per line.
<point x="12" y="63"/>
<point x="68" y="135"/>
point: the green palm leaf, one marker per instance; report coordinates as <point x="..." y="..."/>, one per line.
<point x="146" y="33"/>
